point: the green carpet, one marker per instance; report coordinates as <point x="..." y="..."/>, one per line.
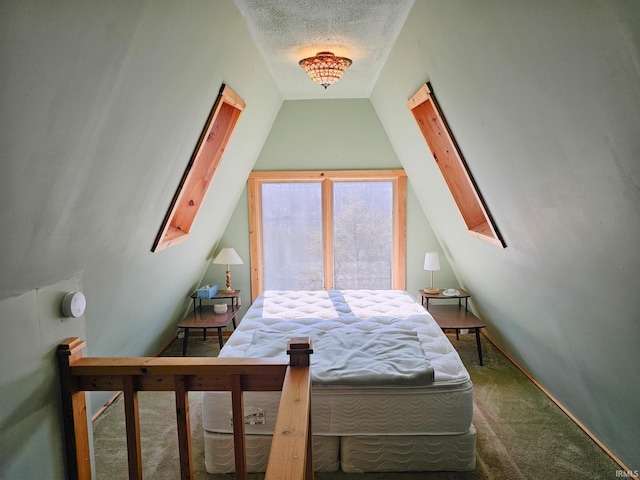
<point x="521" y="433"/>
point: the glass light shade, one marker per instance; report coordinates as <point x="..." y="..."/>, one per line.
<point x="325" y="68"/>
<point x="228" y="256"/>
<point x="431" y="261"/>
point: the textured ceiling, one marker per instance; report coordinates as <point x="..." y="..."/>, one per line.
<point x="286" y="31"/>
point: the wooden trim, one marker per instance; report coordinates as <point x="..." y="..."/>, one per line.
<point x="400" y="234"/>
<point x="74" y="411"/>
<point x="327" y="233"/>
<point x="237" y="406"/>
<point x="132" y="420"/>
<point x="200" y="170"/>
<point x="566" y="411"/>
<point x="255" y="236"/>
<point x="107" y="404"/>
<point x="452" y="165"/>
<point x="183" y="421"/>
<point x="288" y="458"/>
<point x="316" y="175"/>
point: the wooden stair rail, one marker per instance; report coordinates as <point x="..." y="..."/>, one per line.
<point x="291" y="453"/>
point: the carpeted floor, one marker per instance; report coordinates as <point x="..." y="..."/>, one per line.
<point x="521" y="433"/>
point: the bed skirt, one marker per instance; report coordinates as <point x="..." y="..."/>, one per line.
<point x="355" y="454"/>
<point x="219" y="454"/>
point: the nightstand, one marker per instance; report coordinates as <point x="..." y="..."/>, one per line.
<point x="454" y="317"/>
<point x="204" y="317"/>
<point x="439" y="296"/>
<point x="221" y="295"/>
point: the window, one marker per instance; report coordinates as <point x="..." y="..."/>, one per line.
<point x="292" y="236"/>
<point x="324" y="230"/>
<point x="454" y="169"/>
<point x="362" y="234"/>
<point x="200" y="170"/>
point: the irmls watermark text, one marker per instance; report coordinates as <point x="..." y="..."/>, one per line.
<point x="627" y="473"/>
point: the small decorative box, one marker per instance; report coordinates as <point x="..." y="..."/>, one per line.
<point x="207" y="291"/>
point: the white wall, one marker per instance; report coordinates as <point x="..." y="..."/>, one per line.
<point x="102" y="104"/>
<point x="32" y="328"/>
<point x="544" y="101"/>
<point x="325" y="135"/>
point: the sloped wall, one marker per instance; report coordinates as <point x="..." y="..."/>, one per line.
<point x="32" y="327"/>
<point x="102" y="105"/>
<point x="331" y="135"/>
<point x="544" y="100"/>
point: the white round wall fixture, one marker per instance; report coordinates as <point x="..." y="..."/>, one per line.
<point x="73" y="304"/>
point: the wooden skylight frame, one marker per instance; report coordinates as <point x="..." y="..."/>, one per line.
<point x="453" y="166"/>
<point x="200" y="170"/>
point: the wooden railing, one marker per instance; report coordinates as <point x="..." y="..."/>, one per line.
<point x="291" y="453"/>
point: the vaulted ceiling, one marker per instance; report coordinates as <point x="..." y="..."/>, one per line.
<point x="286" y="31"/>
<point x="97" y="127"/>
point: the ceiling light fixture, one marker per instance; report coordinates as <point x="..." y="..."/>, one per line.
<point x="325" y="68"/>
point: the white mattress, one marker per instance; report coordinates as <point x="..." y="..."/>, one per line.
<point x="366" y="310"/>
<point x="444" y="407"/>
<point x="441" y="409"/>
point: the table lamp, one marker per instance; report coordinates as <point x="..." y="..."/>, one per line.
<point x="228" y="256"/>
<point x="431" y="263"/>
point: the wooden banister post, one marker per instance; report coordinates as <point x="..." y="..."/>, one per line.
<point x="299" y="350"/>
<point x="309" y="465"/>
<point x="74" y="411"/>
<point x="184" y="428"/>
<point x="132" y="424"/>
<point x="291" y="454"/>
<point x="239" y="444"/>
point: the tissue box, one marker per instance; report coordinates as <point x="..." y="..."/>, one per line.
<point x="207" y="291"/>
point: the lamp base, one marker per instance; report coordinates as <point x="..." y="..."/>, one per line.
<point x="228" y="290"/>
<point x="433" y="291"/>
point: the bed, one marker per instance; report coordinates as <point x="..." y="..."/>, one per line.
<point x="406" y="406"/>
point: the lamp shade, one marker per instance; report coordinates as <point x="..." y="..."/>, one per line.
<point x="228" y="256"/>
<point x="431" y="261"/>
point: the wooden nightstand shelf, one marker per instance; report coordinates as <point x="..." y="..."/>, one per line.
<point x="204" y="317"/>
<point x="439" y="296"/>
<point x="220" y="295"/>
<point x="454" y="317"/>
